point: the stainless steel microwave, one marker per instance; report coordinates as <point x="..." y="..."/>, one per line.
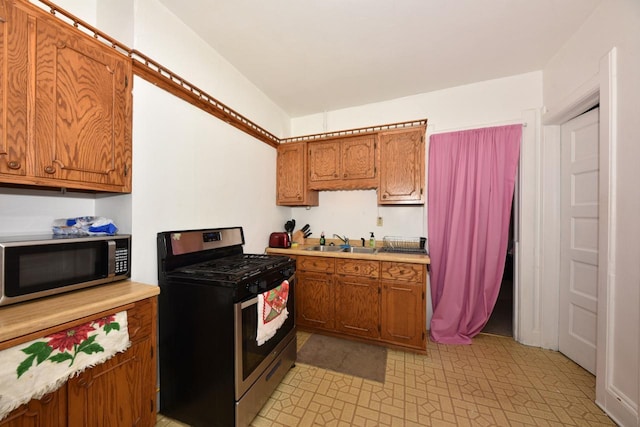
<point x="33" y="267"/>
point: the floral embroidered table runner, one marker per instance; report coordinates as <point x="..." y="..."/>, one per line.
<point x="33" y="369"/>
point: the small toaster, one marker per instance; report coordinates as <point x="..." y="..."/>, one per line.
<point x="279" y="240"/>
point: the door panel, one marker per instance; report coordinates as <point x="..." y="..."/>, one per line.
<point x="579" y="240"/>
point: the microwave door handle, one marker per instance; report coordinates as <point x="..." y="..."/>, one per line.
<point x="111" y="251"/>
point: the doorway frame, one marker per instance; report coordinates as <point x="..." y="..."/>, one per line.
<point x="600" y="89"/>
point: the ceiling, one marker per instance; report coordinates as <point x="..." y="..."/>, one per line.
<point x="311" y="56"/>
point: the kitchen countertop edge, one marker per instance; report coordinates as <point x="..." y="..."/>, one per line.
<point x="28" y="317"/>
<point x="380" y="256"/>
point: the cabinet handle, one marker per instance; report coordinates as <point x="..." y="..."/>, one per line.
<point x="13" y="164"/>
<point x="384" y="196"/>
<point x="345" y="175"/>
<point x="126" y="170"/>
<point x="335" y="175"/>
<point x="50" y="169"/>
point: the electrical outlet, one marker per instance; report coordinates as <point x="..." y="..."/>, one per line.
<point x="379" y="221"/>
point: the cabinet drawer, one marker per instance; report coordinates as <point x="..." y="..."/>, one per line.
<point x="354" y="267"/>
<point x="140" y="320"/>
<point x="403" y="271"/>
<point x="313" y="263"/>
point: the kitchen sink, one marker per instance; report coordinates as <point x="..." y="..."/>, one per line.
<point x="325" y="248"/>
<point x="351" y="249"/>
<point x="361" y="250"/>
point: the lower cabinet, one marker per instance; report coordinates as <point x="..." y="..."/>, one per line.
<point x="375" y="300"/>
<point x="403" y="315"/>
<point x="118" y="392"/>
<point x="357" y="297"/>
<point x="49" y="411"/>
<point x="314" y="300"/>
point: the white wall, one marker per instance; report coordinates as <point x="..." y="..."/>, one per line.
<point x="568" y="76"/>
<point x="508" y="100"/>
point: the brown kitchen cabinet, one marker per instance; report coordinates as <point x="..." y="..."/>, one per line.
<point x="357" y="297"/>
<point x="343" y="163"/>
<point x="403" y="317"/>
<point x="129" y="376"/>
<point x="378" y="301"/>
<point x="68" y="101"/>
<point x="118" y="392"/>
<point x="291" y="178"/>
<point x="315" y="292"/>
<point x="402" y="167"/>
<point x="49" y="411"/>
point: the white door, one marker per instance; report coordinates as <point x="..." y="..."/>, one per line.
<point x="579" y="240"/>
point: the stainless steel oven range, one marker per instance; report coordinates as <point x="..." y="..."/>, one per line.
<point x="219" y="360"/>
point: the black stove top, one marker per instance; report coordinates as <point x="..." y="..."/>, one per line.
<point x="235" y="268"/>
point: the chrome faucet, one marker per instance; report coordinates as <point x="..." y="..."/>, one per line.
<point x="344" y="239"/>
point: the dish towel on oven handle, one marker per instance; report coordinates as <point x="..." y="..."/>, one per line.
<point x="35" y="368"/>
<point x="272" y="311"/>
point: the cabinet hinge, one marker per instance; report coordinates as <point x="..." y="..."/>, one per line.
<point x="422" y="139"/>
<point x="421" y="190"/>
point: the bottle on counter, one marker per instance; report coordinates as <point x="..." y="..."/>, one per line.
<point x="372" y="240"/>
<point x="322" y="241"/>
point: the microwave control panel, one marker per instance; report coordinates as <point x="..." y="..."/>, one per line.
<point x="122" y="261"/>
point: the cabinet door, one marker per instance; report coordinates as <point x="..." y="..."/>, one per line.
<point x="403" y="314"/>
<point x="291" y="179"/>
<point x="359" y="157"/>
<point x="343" y="163"/>
<point x="324" y="161"/>
<point x="82" y="110"/>
<point x="315" y="300"/>
<point x="357" y="306"/>
<point x="113" y="393"/>
<point x="402" y="159"/>
<point x="13" y="90"/>
<point x="120" y="391"/>
<point x="49" y="411"/>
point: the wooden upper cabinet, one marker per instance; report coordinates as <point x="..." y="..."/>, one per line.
<point x="13" y="90"/>
<point x="291" y="179"/>
<point x="402" y="167"/>
<point x="68" y="99"/>
<point x="344" y="163"/>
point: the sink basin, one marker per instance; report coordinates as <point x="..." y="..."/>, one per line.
<point x="325" y="248"/>
<point x="361" y="250"/>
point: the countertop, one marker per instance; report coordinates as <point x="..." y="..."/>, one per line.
<point x="28" y="317"/>
<point x="379" y="256"/>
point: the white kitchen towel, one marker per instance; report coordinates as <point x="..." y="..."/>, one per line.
<point x="272" y="311"/>
<point x="35" y="368"/>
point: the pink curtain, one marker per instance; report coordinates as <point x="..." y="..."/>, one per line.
<point x="471" y="182"/>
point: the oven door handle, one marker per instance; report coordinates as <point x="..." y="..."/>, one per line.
<point x="249" y="303"/>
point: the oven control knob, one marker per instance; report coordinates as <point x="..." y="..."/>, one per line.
<point x="253" y="287"/>
<point x="263" y="285"/>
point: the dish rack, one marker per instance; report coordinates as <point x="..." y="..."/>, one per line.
<point x="413" y="245"/>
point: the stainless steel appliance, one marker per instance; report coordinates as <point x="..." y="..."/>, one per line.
<point x="39" y="266"/>
<point x="212" y="370"/>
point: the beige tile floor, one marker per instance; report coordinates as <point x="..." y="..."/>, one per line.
<point x="493" y="382"/>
